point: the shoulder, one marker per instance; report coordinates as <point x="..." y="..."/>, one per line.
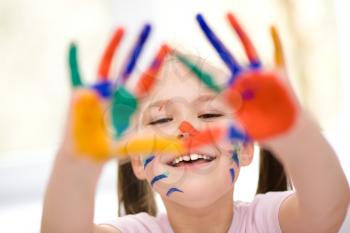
<point x="141" y="222"/>
<point x="260" y="215"/>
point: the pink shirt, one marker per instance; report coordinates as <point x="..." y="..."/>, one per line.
<point x="259" y="216"/>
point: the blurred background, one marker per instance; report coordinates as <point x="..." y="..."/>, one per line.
<point x="34" y="81"/>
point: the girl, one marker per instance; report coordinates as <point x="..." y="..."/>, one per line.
<point x="197" y="187"/>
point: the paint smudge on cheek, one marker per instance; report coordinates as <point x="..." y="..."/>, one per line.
<point x="172" y="190"/>
<point x="147" y="161"/>
<point x="235" y="157"/>
<point x="159" y="177"/>
<point x="232" y="173"/>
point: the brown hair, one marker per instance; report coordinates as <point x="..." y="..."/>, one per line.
<point x="134" y="195"/>
<point x="272" y="176"/>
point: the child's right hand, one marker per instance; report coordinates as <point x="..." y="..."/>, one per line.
<point x="100" y="113"/>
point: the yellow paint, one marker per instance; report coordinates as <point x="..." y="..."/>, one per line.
<point x="89" y="133"/>
<point x="279" y="58"/>
<point x="146" y="146"/>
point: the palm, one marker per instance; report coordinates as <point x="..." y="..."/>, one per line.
<point x="90" y="117"/>
<point x="262" y="100"/>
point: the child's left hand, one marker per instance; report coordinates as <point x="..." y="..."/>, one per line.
<point x="263" y="100"/>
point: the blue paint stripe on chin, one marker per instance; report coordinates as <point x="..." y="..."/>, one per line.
<point x="232" y="173"/>
<point x="148" y="160"/>
<point x="159" y="177"/>
<point x="171" y="190"/>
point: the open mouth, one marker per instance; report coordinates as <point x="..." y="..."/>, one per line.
<point x="191" y="159"/>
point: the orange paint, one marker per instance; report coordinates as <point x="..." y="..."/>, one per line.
<point x="269" y="110"/>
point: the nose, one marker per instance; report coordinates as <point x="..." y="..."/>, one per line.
<point x="186" y="129"/>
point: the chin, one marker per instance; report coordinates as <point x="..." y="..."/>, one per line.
<point x="200" y="193"/>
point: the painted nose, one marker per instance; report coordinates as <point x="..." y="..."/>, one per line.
<point x="187" y="128"/>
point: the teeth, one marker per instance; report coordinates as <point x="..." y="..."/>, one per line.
<point x="192" y="157"/>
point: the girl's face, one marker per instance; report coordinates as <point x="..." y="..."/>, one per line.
<point x="180" y="105"/>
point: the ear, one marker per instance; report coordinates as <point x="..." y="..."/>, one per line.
<point x="246" y="154"/>
<point x="137" y="167"/>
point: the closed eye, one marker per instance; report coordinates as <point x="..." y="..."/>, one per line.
<point x="161" y="121"/>
<point x="210" y="115"/>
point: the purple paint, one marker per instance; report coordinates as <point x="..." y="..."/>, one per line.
<point x="232" y="173"/>
<point x="248" y="94"/>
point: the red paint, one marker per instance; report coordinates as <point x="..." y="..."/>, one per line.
<point x="148" y="78"/>
<point x="202" y="138"/>
<point x="186" y="127"/>
<point x="270" y="112"/>
<point x="247" y="44"/>
<point x="103" y="71"/>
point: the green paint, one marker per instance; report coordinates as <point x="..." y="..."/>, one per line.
<point x="73" y="65"/>
<point x="204" y="77"/>
<point x="124" y="105"/>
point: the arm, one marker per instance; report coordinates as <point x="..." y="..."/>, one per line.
<point x="322" y="193"/>
<point x="69" y="200"/>
<point x="272" y="116"/>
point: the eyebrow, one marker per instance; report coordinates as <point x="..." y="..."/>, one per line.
<point x="202" y="98"/>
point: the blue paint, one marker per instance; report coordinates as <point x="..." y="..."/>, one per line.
<point x="235" y="157"/>
<point x="255" y="65"/>
<point x="148" y="160"/>
<point x="232" y="173"/>
<point x="171" y="190"/>
<point x="135" y="54"/>
<point x="220" y="48"/>
<point x="159" y="177"/>
<point x="104" y="88"/>
<point x="235" y="134"/>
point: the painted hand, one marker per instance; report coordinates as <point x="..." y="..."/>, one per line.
<point x="106" y="105"/>
<point x="262" y="99"/>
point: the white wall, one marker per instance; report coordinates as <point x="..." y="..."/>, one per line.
<point x="33" y="39"/>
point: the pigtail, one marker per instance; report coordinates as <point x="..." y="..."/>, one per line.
<point x="134" y="195"/>
<point x="272" y="176"/>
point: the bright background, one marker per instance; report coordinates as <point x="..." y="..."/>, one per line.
<point x="34" y="84"/>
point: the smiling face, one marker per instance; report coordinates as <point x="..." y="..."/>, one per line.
<point x="181" y="106"/>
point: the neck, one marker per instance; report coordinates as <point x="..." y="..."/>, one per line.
<point x="216" y="217"/>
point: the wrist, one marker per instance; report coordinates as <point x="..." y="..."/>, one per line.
<point x="305" y="128"/>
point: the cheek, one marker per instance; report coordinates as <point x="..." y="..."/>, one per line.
<point x="163" y="177"/>
<point x="182" y="185"/>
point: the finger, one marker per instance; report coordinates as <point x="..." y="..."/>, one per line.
<point x="206" y="78"/>
<point x="134" y="55"/>
<point x="225" y="55"/>
<point x="148" y="78"/>
<point x="247" y="43"/>
<point x="278" y="50"/>
<point x="74" y="67"/>
<point x="106" y="61"/>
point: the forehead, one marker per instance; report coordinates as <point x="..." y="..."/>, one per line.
<point x="177" y="81"/>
